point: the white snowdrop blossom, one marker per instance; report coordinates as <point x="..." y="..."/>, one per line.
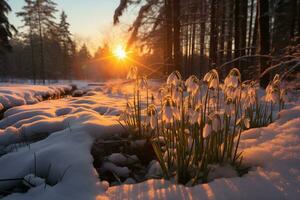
<point x="133" y="73"/>
<point x="161" y="93"/>
<point x="142" y="83"/>
<point x="247" y="122"/>
<point x="272" y="95"/>
<point x="213" y="84"/>
<point x="174" y="78"/>
<point x="169" y="111"/>
<point x="195" y="116"/>
<point x="177" y="95"/>
<point x="215" y="122"/>
<point x="207" y="130"/>
<point x="192" y="84"/>
<point x="233" y="79"/>
<point x="212" y="78"/>
<point x="152" y="116"/>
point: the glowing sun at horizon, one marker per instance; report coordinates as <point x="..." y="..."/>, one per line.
<point x="120" y="52"/>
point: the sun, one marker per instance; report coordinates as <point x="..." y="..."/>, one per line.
<point x="120" y="52"/>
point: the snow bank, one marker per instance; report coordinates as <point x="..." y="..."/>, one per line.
<point x="274" y="153"/>
<point x="71" y="125"/>
<point x="16" y="95"/>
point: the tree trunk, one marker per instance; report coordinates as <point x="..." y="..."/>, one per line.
<point x="176" y="35"/>
<point x="243" y="26"/>
<point x="41" y="36"/>
<point x="237" y="29"/>
<point x="213" y="46"/>
<point x="168" y="36"/>
<point x="250" y="27"/>
<point x="264" y="38"/>
<point x="32" y="57"/>
<point x="222" y="33"/>
<point x="230" y="29"/>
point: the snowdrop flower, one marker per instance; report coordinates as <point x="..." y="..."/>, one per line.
<point x="207" y="130"/>
<point x="161" y="93"/>
<point x="192" y="84"/>
<point x="177" y="94"/>
<point x="271" y="94"/>
<point x="215" y="122"/>
<point x="195" y="116"/>
<point x="169" y="110"/>
<point x="247" y="122"/>
<point x="152" y="116"/>
<point x="213" y="84"/>
<point x="271" y="98"/>
<point x="142" y="83"/>
<point x="233" y="79"/>
<point x="212" y="78"/>
<point x="174" y="78"/>
<point x="132" y="74"/>
<point x="244" y="121"/>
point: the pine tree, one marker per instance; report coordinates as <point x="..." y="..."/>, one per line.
<point x="29" y="20"/>
<point x="83" y="58"/>
<point x="5" y="27"/>
<point x="66" y="42"/>
<point x="45" y="10"/>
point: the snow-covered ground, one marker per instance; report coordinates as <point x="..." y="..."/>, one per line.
<point x="64" y="168"/>
<point x="16" y="95"/>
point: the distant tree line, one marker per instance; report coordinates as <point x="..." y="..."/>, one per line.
<point x="196" y="35"/>
<point x="44" y="47"/>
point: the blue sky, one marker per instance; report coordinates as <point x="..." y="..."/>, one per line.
<point x="90" y="19"/>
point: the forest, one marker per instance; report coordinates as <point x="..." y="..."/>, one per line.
<point x="192" y="36"/>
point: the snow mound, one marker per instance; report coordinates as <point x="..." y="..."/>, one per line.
<point x="273" y="152"/>
<point x="57" y="133"/>
<point x="16" y="95"/>
<point x="52" y="140"/>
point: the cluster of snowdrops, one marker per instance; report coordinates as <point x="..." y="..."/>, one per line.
<point x="194" y="124"/>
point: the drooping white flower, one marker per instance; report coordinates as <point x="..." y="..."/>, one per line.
<point x="169" y="111"/>
<point x="174" y="78"/>
<point x="234" y="78"/>
<point x="161" y="93"/>
<point x="215" y="121"/>
<point x="213" y="84"/>
<point x="143" y="83"/>
<point x="177" y="94"/>
<point x="192" y="84"/>
<point x="231" y="81"/>
<point x="247" y="122"/>
<point x="152" y="116"/>
<point x="195" y="116"/>
<point x="212" y="79"/>
<point x="207" y="130"/>
<point x="132" y="74"/>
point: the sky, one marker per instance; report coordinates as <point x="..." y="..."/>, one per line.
<point x="91" y="20"/>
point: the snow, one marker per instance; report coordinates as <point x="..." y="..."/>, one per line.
<point x="50" y="142"/>
<point x="16" y="95"/>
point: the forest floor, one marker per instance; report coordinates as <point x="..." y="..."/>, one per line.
<point x="47" y="145"/>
